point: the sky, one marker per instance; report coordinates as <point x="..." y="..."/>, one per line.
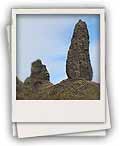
<point x="48" y="37"/>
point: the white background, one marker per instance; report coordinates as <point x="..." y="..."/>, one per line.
<point x="112" y="67"/>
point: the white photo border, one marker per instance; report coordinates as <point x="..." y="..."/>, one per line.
<point x="59" y="110"/>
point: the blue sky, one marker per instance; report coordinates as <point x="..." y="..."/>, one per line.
<point x="47" y="37"/>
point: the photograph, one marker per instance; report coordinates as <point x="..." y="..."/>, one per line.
<point x="58" y="57"/>
<point x="58" y="65"/>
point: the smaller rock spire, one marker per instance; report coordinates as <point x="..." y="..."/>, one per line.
<point x="38" y="70"/>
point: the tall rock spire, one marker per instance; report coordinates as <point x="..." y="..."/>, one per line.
<point x="78" y="60"/>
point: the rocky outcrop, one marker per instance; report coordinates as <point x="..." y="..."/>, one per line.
<point x="38" y="80"/>
<point x="78" y="64"/>
<point x="65" y="90"/>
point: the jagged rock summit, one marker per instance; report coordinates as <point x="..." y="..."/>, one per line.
<point x="39" y="73"/>
<point x="39" y="76"/>
<point x="78" y="64"/>
<point x="39" y="70"/>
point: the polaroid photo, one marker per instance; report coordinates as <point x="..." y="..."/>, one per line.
<point x="58" y="65"/>
<point x="34" y="133"/>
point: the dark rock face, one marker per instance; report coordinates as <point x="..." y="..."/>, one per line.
<point x="78" y="60"/>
